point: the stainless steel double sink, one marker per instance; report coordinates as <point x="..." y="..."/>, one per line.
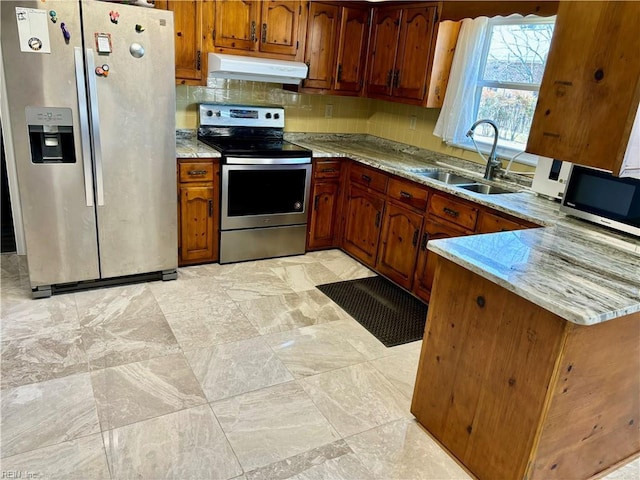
<point x="460" y="181"/>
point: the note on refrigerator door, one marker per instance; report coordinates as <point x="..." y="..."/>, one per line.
<point x="33" y="30"/>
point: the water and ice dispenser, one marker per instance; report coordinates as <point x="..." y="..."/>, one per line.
<point x="50" y="135"/>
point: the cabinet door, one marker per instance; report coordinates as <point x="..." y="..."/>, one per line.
<point x="322" y="222"/>
<point x="426" y="264"/>
<point x="489" y="222"/>
<point x="198" y="235"/>
<point x="384" y="42"/>
<point x="399" y="244"/>
<point x="187" y="22"/>
<point x="410" y="74"/>
<point x="236" y="24"/>
<point x="279" y="27"/>
<point x="362" y="229"/>
<point x="352" y="49"/>
<point x="589" y="92"/>
<point x="320" y="45"/>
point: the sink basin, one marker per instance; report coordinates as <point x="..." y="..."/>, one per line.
<point x="485" y="189"/>
<point x="446" y="177"/>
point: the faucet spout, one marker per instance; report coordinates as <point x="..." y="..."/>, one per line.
<point x="492" y="162"/>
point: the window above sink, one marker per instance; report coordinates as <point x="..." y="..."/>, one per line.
<point x="496" y="74"/>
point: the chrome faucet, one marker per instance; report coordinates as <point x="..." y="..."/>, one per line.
<point x="492" y="162"/>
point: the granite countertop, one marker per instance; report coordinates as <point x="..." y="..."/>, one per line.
<point x="188" y="146"/>
<point x="581" y="272"/>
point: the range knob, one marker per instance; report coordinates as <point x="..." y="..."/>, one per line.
<point x="276" y="116"/>
<point x="209" y="113"/>
<point x="268" y="115"/>
<point x="217" y="113"/>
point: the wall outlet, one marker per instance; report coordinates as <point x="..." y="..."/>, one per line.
<point x="412" y="122"/>
<point x="328" y="111"/>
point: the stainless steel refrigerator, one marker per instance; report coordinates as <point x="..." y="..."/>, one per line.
<point x="91" y="94"/>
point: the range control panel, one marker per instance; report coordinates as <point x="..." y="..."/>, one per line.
<point x="223" y="115"/>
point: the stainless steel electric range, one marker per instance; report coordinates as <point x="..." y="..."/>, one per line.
<point x="265" y="181"/>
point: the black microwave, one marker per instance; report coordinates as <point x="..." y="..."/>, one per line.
<point x="599" y="197"/>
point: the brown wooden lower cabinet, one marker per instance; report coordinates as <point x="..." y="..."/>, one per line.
<point x="426" y="264"/>
<point x="399" y="243"/>
<point x="322" y="224"/>
<point x="198" y="211"/>
<point x="515" y="391"/>
<point x="363" y="210"/>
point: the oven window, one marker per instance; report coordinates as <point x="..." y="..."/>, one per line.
<point x="264" y="192"/>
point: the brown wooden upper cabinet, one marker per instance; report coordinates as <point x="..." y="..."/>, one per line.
<point x="591" y="85"/>
<point x="401" y="46"/>
<point x="265" y="28"/>
<point x="187" y="21"/>
<point x="336" y="46"/>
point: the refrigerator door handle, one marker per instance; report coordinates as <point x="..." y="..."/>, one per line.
<point x="95" y="126"/>
<point x="84" y="126"/>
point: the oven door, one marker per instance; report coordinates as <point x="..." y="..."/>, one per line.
<point x="264" y="195"/>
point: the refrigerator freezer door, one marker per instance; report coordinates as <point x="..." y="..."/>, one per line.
<point x="60" y="226"/>
<point x="137" y="224"/>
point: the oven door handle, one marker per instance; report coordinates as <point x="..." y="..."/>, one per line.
<point x="266" y="161"/>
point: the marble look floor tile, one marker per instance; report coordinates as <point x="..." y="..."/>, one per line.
<point x="42" y="357"/>
<point x="295" y="310"/>
<point x="400" y="369"/>
<point x="630" y="471"/>
<point x="47" y="413"/>
<point x="401" y="449"/>
<point x="13" y="266"/>
<point x="102" y="305"/>
<point x="315" y="349"/>
<point x="305" y="276"/>
<point x="188" y="444"/>
<point x="76" y="459"/>
<point x="210" y="326"/>
<point x="123" y="340"/>
<point x="335" y="461"/>
<point x="250" y="283"/>
<point x="356" y="398"/>
<point x="234" y="368"/>
<point x="361" y="339"/>
<point x="272" y="424"/>
<point x="346" y="268"/>
<point x="190" y="294"/>
<point x="139" y="391"/>
<point x="21" y="316"/>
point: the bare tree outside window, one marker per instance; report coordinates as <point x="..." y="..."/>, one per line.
<point x="516" y="54"/>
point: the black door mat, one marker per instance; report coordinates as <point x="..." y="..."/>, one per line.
<point x="388" y="312"/>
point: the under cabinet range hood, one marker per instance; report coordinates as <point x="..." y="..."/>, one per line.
<point x="238" y="67"/>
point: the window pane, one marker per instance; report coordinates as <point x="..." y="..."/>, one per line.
<point x="512" y="110"/>
<point x="518" y="53"/>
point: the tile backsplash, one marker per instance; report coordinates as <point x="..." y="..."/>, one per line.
<point x="306" y="113"/>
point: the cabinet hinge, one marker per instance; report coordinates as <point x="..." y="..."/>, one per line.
<point x="424" y="90"/>
<point x="213" y="33"/>
<point x="369" y="20"/>
<point x="300" y="10"/>
<point x="297" y="44"/>
<point x="198" y="58"/>
<point x="436" y="20"/>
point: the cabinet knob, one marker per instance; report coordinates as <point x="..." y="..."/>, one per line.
<point x="480" y="301"/>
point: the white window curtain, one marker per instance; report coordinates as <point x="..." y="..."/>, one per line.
<point x="455" y="116"/>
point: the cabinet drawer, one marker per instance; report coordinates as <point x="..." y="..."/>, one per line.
<point x="368" y="177"/>
<point x="196" y="172"/>
<point x="453" y="211"/>
<point x="490" y="222"/>
<point x="326" y="169"/>
<point x="409" y="193"/>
